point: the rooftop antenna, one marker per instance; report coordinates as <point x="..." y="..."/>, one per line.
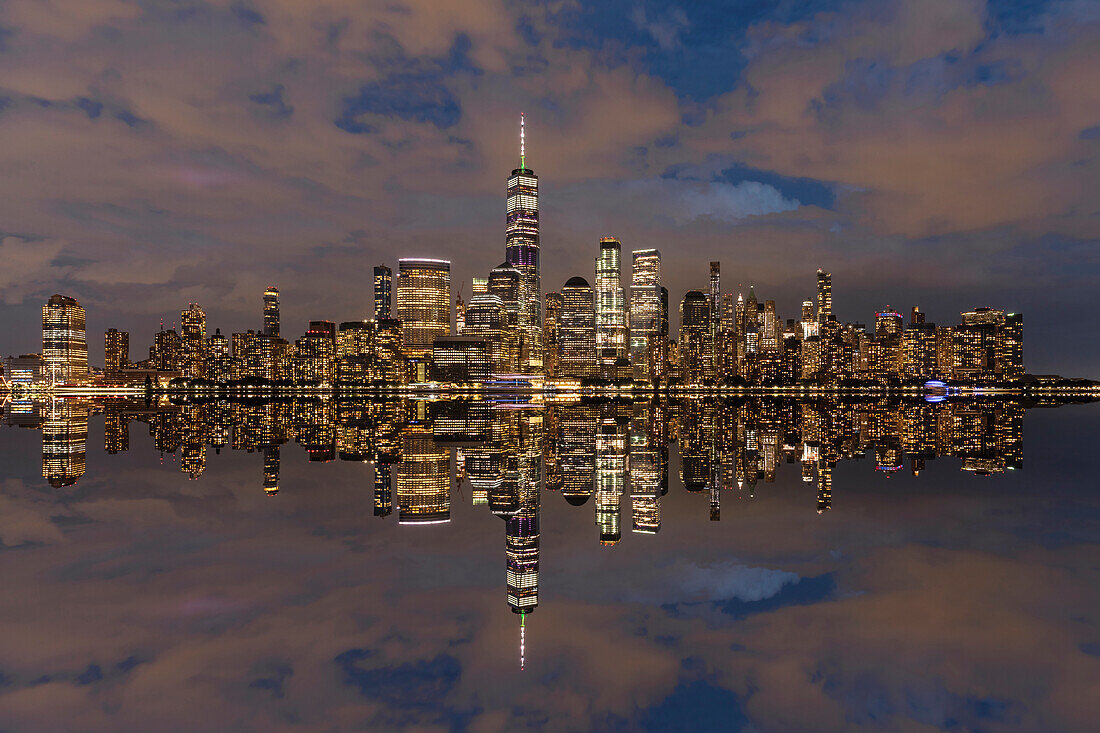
<point x="522" y="142"/>
<point x="522" y="639"/>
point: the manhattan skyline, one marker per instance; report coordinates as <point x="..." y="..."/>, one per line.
<point x="940" y="157"/>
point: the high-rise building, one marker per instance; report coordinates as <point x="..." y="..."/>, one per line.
<point x="64" y="340"/>
<point x="271" y="312"/>
<point x="696" y="352"/>
<point x="715" y="299"/>
<point x="551" y="334"/>
<point x="522" y="252"/>
<point x="423" y="303"/>
<point x="610" y="308"/>
<point x="484" y="320"/>
<point x="116" y="352"/>
<point x="916" y="316"/>
<point x="316" y="353"/>
<point x="1010" y="346"/>
<point x="645" y="313"/>
<point x="824" y="296"/>
<point x="509" y="284"/>
<point x="219" y="364"/>
<point x="578" y="329"/>
<point x="383" y="277"/>
<point x="193" y="341"/>
<point x="167" y="351"/>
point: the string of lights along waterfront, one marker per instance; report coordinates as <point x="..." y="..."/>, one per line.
<point x="592" y="333"/>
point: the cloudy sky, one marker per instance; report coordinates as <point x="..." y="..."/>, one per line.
<point x="940" y="153"/>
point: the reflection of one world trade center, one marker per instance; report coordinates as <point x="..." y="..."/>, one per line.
<point x="522" y="527"/>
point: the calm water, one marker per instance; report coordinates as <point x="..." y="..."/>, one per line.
<point x="697" y="565"/>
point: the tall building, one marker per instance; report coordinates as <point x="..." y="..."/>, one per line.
<point x="219" y="364"/>
<point x="610" y="308"/>
<point x="522" y="252"/>
<point x="167" y="351"/>
<point x="824" y="296"/>
<point x="1010" y="346"/>
<point x="645" y="313"/>
<point x="116" y="352"/>
<point x="551" y="334"/>
<point x="193" y="341"/>
<point x="64" y="339"/>
<point x="423" y="303"/>
<point x="696" y="352"/>
<point x="715" y="311"/>
<point x="316" y="353"/>
<point x="271" y="312"/>
<point x="509" y="284"/>
<point x="383" y="277"/>
<point x="578" y="329"/>
<point x="484" y="320"/>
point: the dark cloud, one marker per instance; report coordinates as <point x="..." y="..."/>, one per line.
<point x="273" y="102"/>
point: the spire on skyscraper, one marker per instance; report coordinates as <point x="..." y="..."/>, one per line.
<point x="522" y="142"/>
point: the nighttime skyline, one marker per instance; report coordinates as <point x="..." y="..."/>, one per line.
<point x="940" y="156"/>
<point x="478" y="366"/>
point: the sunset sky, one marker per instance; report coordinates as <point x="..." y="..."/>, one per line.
<point x="940" y="153"/>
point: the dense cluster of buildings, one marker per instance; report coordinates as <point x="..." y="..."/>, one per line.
<point x="511" y="333"/>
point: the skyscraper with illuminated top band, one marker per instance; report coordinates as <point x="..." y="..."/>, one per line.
<point x="522" y="252"/>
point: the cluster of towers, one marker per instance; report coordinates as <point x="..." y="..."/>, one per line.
<point x="509" y="332"/>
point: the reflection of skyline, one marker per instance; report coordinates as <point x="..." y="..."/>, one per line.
<point x="583" y="450"/>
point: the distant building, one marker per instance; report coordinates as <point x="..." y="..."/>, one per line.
<point x="271" y="312"/>
<point x="116" y="352"/>
<point x="383" y="279"/>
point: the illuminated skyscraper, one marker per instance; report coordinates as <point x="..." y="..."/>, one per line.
<point x="64" y="340"/>
<point x="610" y="308"/>
<point x="696" y="352"/>
<point x="116" y="352"/>
<point x="383" y="277"/>
<point x="715" y="312"/>
<point x="509" y="284"/>
<point x="193" y="341"/>
<point x="824" y="296"/>
<point x="645" y="313"/>
<point x="167" y="352"/>
<point x="316" y="353"/>
<point x="423" y="303"/>
<point x="578" y="329"/>
<point x="271" y="312"/>
<point x="551" y="335"/>
<point x="522" y="252"/>
<point x="219" y="365"/>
